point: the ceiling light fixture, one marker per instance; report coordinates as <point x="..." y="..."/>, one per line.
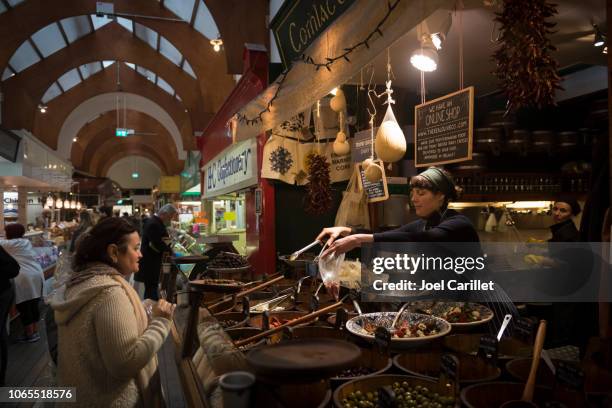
<point x="42" y="108"/>
<point x="334" y="91"/>
<point x="135" y="175"/>
<point x="599" y="39"/>
<point x="425" y="58"/>
<point x="605" y="50"/>
<point x="217" y="43"/>
<point x="74" y="140"/>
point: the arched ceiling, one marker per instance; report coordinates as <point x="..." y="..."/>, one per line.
<point x="103" y="103"/>
<point x="61" y="54"/>
<point x="47" y="126"/>
<point x="122" y="172"/>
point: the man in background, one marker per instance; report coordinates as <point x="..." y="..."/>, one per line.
<point x="154" y="244"/>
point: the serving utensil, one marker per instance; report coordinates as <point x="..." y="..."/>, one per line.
<point x="297" y="253"/>
<point x="505" y="323"/>
<point x="397" y="316"/>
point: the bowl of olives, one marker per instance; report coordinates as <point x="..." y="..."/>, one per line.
<point x="405" y="391"/>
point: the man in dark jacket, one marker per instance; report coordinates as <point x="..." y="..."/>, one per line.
<point x="153" y="248"/>
<point x="9" y="268"/>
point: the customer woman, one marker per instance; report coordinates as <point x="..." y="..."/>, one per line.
<point x="9" y="268"/>
<point x="29" y="282"/>
<point x="106" y="347"/>
<point x="431" y="191"/>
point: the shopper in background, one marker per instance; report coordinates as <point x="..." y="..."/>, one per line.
<point x="85" y="225"/>
<point x="153" y="248"/>
<point x="106" y="211"/>
<point x="106" y="346"/>
<point x="564" y="230"/>
<point x="29" y="282"/>
<point x="9" y="268"/>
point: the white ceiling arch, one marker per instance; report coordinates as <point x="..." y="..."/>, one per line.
<point x="122" y="172"/>
<point x="100" y="104"/>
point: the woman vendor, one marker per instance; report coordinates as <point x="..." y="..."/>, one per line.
<point x="430" y="193"/>
<point x="564" y="229"/>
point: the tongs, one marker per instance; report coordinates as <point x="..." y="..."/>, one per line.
<point x="296" y="254"/>
<point x="270" y="303"/>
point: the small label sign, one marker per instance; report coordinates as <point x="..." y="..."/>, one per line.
<point x="525" y="327"/>
<point x="488" y="348"/>
<point x="375" y="191"/>
<point x="570" y="376"/>
<point x="382" y="337"/>
<point x="265" y="321"/>
<point x="341" y="318"/>
<point x="246" y="306"/>
<point x="386" y="397"/>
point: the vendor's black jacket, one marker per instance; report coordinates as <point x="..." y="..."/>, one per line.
<point x="451" y="227"/>
<point x="152" y="249"/>
<point x="9" y="268"/>
<point x="564" y="231"/>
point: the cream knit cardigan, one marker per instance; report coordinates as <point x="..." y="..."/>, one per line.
<point x="104" y="349"/>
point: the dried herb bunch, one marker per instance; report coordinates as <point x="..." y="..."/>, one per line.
<point x="526" y="70"/>
<point x="318" y="190"/>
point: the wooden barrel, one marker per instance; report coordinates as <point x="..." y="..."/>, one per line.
<point x="257" y="320"/>
<point x="509" y="348"/>
<point x="232" y="320"/>
<point x="472" y="369"/>
<point x="519" y="371"/>
<point x="494" y="394"/>
<point x="370" y="358"/>
<point x="244" y="333"/>
<point x="367" y="385"/>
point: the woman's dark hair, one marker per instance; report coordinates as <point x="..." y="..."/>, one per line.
<point x="14" y="231"/>
<point x="422" y="182"/>
<point x="93" y="244"/>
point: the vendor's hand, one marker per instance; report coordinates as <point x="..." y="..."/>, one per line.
<point x="333" y="233"/>
<point x="343" y="245"/>
<point x="163" y="309"/>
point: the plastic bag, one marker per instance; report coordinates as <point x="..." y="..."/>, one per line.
<point x="329" y="268"/>
<point x="353" y="210"/>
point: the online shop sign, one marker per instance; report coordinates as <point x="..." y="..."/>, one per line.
<point x="233" y="169"/>
<point x="501" y="272"/>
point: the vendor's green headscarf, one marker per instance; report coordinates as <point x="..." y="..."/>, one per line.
<point x="441" y="181"/>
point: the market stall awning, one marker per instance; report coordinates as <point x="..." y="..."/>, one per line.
<point x="304" y="83"/>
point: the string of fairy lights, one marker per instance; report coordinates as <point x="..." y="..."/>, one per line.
<point x="327" y="64"/>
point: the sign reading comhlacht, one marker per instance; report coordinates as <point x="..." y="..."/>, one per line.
<point x="443" y="129"/>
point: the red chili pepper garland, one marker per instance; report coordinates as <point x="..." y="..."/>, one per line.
<point x="526" y="70"/>
<point x="318" y="190"/>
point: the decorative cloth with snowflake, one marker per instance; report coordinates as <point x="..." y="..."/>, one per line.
<point x="281" y="160"/>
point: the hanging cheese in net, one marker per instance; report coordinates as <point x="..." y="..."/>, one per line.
<point x="390" y="144"/>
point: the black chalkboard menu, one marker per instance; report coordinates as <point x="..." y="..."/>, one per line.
<point x="443" y="129"/>
<point x="9" y="145"/>
<point x="374" y="191"/>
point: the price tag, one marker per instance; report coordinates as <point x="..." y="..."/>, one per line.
<point x="570" y="376"/>
<point x="449" y="366"/>
<point x="287" y="333"/>
<point x="525" y="328"/>
<point x="314" y="303"/>
<point x="246" y="306"/>
<point x="488" y="348"/>
<point x="386" y="397"/>
<point x="265" y="321"/>
<point x="382" y="337"/>
<point x="341" y="318"/>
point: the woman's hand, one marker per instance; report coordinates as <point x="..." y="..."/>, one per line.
<point x="333" y="233"/>
<point x="343" y="245"/>
<point x="163" y="309"/>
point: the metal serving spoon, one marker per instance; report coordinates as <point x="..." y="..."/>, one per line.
<point x="296" y="254"/>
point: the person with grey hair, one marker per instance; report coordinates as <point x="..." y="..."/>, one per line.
<point x="153" y="248"/>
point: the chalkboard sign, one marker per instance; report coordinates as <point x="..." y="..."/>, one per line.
<point x="246" y="306"/>
<point x="524" y="328"/>
<point x="382" y="337"/>
<point x="375" y="191"/>
<point x="341" y="318"/>
<point x="265" y="321"/>
<point x="570" y="376"/>
<point x="444" y="128"/>
<point x="361" y="145"/>
<point x="488" y="348"/>
<point x="386" y="397"/>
